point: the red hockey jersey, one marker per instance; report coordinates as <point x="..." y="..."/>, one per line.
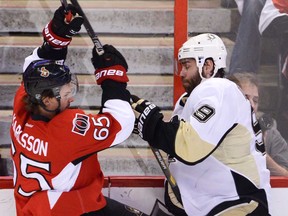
<point x="56" y="167"/>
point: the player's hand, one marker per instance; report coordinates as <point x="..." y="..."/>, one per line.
<point x="111" y="65"/>
<point x="147" y="116"/>
<point x="58" y="32"/>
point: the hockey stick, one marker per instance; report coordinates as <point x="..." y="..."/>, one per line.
<point x="167" y="173"/>
<point x="100" y="51"/>
<point x="156" y="152"/>
<point x="68" y="14"/>
<point x="89" y="29"/>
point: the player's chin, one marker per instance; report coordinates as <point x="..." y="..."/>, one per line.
<point x="187" y="87"/>
<point x="186" y="84"/>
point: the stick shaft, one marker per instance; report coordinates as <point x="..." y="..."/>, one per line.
<point x="166" y="171"/>
<point x="64" y="3"/>
<point x="68" y="14"/>
<point x="89" y="29"/>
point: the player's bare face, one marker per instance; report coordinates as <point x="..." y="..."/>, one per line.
<point x="189" y="74"/>
<point x="53" y="106"/>
<point x="67" y="94"/>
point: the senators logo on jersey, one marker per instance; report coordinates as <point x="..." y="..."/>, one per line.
<point x="81" y="124"/>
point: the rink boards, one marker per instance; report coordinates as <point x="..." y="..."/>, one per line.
<point x="142" y="191"/>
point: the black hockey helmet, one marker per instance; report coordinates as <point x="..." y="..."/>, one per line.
<point x="43" y="75"/>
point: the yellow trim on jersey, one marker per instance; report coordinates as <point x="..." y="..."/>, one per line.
<point x="240" y="210"/>
<point x="189" y="145"/>
<point x="234" y="151"/>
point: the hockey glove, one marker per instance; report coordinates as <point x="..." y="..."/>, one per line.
<point x="147" y="116"/>
<point x="111" y="65"/>
<point x="58" y="33"/>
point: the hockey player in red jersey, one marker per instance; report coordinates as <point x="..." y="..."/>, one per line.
<point x="54" y="148"/>
<point x="213" y="139"/>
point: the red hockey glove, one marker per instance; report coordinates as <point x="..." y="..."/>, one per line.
<point x="147" y="116"/>
<point x="58" y="33"/>
<point x="111" y="65"/>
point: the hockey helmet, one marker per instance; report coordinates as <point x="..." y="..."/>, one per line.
<point x="204" y="46"/>
<point x="43" y="75"/>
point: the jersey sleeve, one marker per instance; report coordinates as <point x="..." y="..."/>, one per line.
<point x="33" y="57"/>
<point x="179" y="105"/>
<point x="44" y="52"/>
<point x="80" y="134"/>
<point x="204" y="122"/>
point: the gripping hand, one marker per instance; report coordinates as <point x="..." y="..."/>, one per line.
<point x="58" y="32"/>
<point x="147" y="116"/>
<point x="111" y="65"/>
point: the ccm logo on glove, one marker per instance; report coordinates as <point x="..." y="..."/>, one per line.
<point x="53" y="39"/>
<point x="116" y="73"/>
<point x="142" y="118"/>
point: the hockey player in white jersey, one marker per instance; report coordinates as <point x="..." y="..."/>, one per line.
<point x="213" y="137"/>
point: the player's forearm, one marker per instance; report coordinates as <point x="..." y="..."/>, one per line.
<point x="123" y="115"/>
<point x="114" y="90"/>
<point x="115" y="101"/>
<point x="34" y="56"/>
<point x="41" y="53"/>
<point x="151" y="127"/>
<point x="48" y="52"/>
<point x="164" y="136"/>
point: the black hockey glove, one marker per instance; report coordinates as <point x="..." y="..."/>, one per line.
<point x="147" y="116"/>
<point x="111" y="65"/>
<point x="58" y="32"/>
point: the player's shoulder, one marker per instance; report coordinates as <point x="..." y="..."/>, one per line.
<point x="69" y="114"/>
<point x="72" y="111"/>
<point x="217" y="84"/>
<point x="217" y="80"/>
<point x="215" y="88"/>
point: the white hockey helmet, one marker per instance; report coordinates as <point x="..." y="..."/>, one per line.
<point x="204" y="46"/>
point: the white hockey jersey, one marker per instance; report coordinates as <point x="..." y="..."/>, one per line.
<point x="226" y="153"/>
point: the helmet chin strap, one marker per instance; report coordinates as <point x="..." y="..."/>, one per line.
<point x="56" y="92"/>
<point x="56" y="111"/>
